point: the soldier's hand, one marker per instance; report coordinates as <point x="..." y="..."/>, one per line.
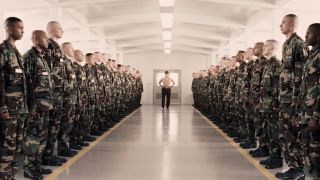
<point x="5" y="116"/>
<point x="313" y="125"/>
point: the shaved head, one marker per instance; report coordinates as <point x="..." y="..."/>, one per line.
<point x="54" y="29"/>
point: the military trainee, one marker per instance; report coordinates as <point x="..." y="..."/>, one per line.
<point x="52" y="103"/>
<point x="269" y="106"/>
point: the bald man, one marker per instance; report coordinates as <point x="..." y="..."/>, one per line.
<point x="39" y="83"/>
<point x="294" y="54"/>
<point x="56" y="64"/>
<point x="70" y="92"/>
<point x="81" y="119"/>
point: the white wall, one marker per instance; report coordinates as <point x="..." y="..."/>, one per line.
<point x="187" y="62"/>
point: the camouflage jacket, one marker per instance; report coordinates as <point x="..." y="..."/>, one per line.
<point x="294" y="53"/>
<point x="255" y="83"/>
<point x="310" y="88"/>
<point x="81" y="79"/>
<point x="12" y="80"/>
<point x="232" y="86"/>
<point x="100" y="81"/>
<point x="245" y="89"/>
<point x="57" y="67"/>
<point x="91" y="83"/>
<point x="270" y="85"/>
<point x="70" y="84"/>
<point x="240" y="72"/>
<point x="39" y="80"/>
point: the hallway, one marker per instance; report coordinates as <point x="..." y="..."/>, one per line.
<point x="156" y="144"/>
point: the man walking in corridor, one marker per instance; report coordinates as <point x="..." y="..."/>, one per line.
<point x="166" y="83"/>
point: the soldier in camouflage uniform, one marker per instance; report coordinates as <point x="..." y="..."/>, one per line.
<point x="91" y="92"/>
<point x="81" y="118"/>
<point x="39" y="87"/>
<point x="230" y="97"/>
<point x="270" y="104"/>
<point x="57" y="70"/>
<point x="100" y="94"/>
<point x="294" y="54"/>
<point x="255" y="95"/>
<point x="13" y="107"/>
<point x="250" y="141"/>
<point x="238" y="120"/>
<point x="309" y="101"/>
<point x="70" y="100"/>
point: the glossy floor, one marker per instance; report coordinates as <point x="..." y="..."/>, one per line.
<point x="163" y="145"/>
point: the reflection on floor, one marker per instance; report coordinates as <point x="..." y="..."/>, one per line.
<point x="156" y="144"/>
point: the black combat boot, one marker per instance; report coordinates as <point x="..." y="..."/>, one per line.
<point x="33" y="174"/>
<point x="292" y="174"/>
<point x="260" y="152"/>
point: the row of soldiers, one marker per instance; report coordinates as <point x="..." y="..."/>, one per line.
<point x="51" y="104"/>
<point x="269" y="104"/>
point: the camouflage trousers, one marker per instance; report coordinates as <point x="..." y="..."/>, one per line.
<point x="36" y="139"/>
<point x="80" y="123"/>
<point x="314" y="152"/>
<point x="90" y="113"/>
<point x="55" y="116"/>
<point x="240" y="120"/>
<point x="292" y="149"/>
<point x="271" y="134"/>
<point x="11" y="134"/>
<point x="66" y="124"/>
<point x="260" y="125"/>
<point x="249" y="122"/>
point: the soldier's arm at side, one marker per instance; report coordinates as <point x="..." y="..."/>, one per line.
<point x="299" y="57"/>
<point x="29" y="72"/>
<point x="3" y="106"/>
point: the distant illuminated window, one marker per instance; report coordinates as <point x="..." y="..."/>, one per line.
<point x="174" y="76"/>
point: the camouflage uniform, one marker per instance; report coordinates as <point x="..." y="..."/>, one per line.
<point x="81" y="117"/>
<point x="70" y="91"/>
<point x="309" y="110"/>
<point x="238" y="120"/>
<point x="254" y="101"/>
<point x="12" y="101"/>
<point x="100" y="99"/>
<point x="58" y="74"/>
<point x="39" y="101"/>
<point x="249" y="108"/>
<point x="230" y="97"/>
<point x="270" y="105"/>
<point x="293" y="57"/>
<point x="91" y="92"/>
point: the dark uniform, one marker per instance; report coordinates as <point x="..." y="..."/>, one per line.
<point x="39" y="84"/>
<point x="12" y="101"/>
<point x="58" y="74"/>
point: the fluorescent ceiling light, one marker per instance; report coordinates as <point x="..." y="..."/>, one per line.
<point x="167" y="35"/>
<point x="167" y="51"/>
<point x="167" y="45"/>
<point x="166" y="20"/>
<point x="166" y="3"/>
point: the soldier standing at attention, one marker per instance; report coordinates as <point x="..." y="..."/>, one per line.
<point x="310" y="100"/>
<point x="270" y="104"/>
<point x="39" y="87"/>
<point x="294" y="53"/>
<point x="13" y="107"/>
<point x="58" y="74"/>
<point x="70" y="92"/>
<point x="166" y="83"/>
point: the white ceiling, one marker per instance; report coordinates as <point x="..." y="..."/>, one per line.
<point x="133" y="26"/>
